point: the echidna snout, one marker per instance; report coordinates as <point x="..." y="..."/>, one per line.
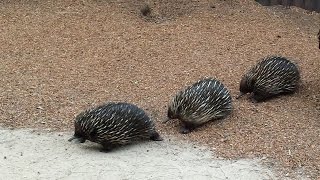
<point x="79" y="135"/>
<point x="244" y="89"/>
<point x="78" y="139"/>
<point x="172" y="114"/>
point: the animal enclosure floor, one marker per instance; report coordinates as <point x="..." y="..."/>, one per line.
<point x="40" y="155"/>
<point x="61" y="57"/>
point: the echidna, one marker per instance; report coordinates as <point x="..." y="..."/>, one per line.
<point x="272" y="76"/>
<point x="113" y="124"/>
<point x="199" y="103"/>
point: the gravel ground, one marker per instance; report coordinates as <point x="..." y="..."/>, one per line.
<point x="61" y="57"/>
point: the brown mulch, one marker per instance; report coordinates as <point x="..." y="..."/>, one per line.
<point x="61" y="57"/>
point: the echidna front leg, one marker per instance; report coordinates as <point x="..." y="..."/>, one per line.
<point x="107" y="147"/>
<point x="186" y="128"/>
<point x="253" y="99"/>
<point x="260" y="97"/>
<point x="155" y="136"/>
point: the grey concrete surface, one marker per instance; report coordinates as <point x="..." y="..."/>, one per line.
<point x="27" y="154"/>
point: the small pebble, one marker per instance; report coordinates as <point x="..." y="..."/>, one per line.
<point x="39" y="107"/>
<point x="223" y="139"/>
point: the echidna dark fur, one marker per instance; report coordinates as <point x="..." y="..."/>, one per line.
<point x="114" y="124"/>
<point x="199" y="103"/>
<point x="272" y="76"/>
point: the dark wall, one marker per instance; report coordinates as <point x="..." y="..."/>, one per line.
<point x="312" y="5"/>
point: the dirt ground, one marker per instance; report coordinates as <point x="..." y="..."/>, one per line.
<point x="61" y="57"/>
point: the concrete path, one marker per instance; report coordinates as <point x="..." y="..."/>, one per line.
<point x="38" y="155"/>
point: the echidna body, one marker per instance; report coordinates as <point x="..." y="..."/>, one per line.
<point x="199" y="103"/>
<point x="272" y="76"/>
<point x="114" y="124"/>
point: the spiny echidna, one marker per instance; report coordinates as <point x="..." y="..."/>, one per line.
<point x="272" y="76"/>
<point x="199" y="103"/>
<point x="113" y="124"/>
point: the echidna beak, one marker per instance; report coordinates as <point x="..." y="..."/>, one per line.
<point x="78" y="139"/>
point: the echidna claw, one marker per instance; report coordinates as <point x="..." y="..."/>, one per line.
<point x="184" y="130"/>
<point x="240" y="95"/>
<point x="254" y="101"/>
